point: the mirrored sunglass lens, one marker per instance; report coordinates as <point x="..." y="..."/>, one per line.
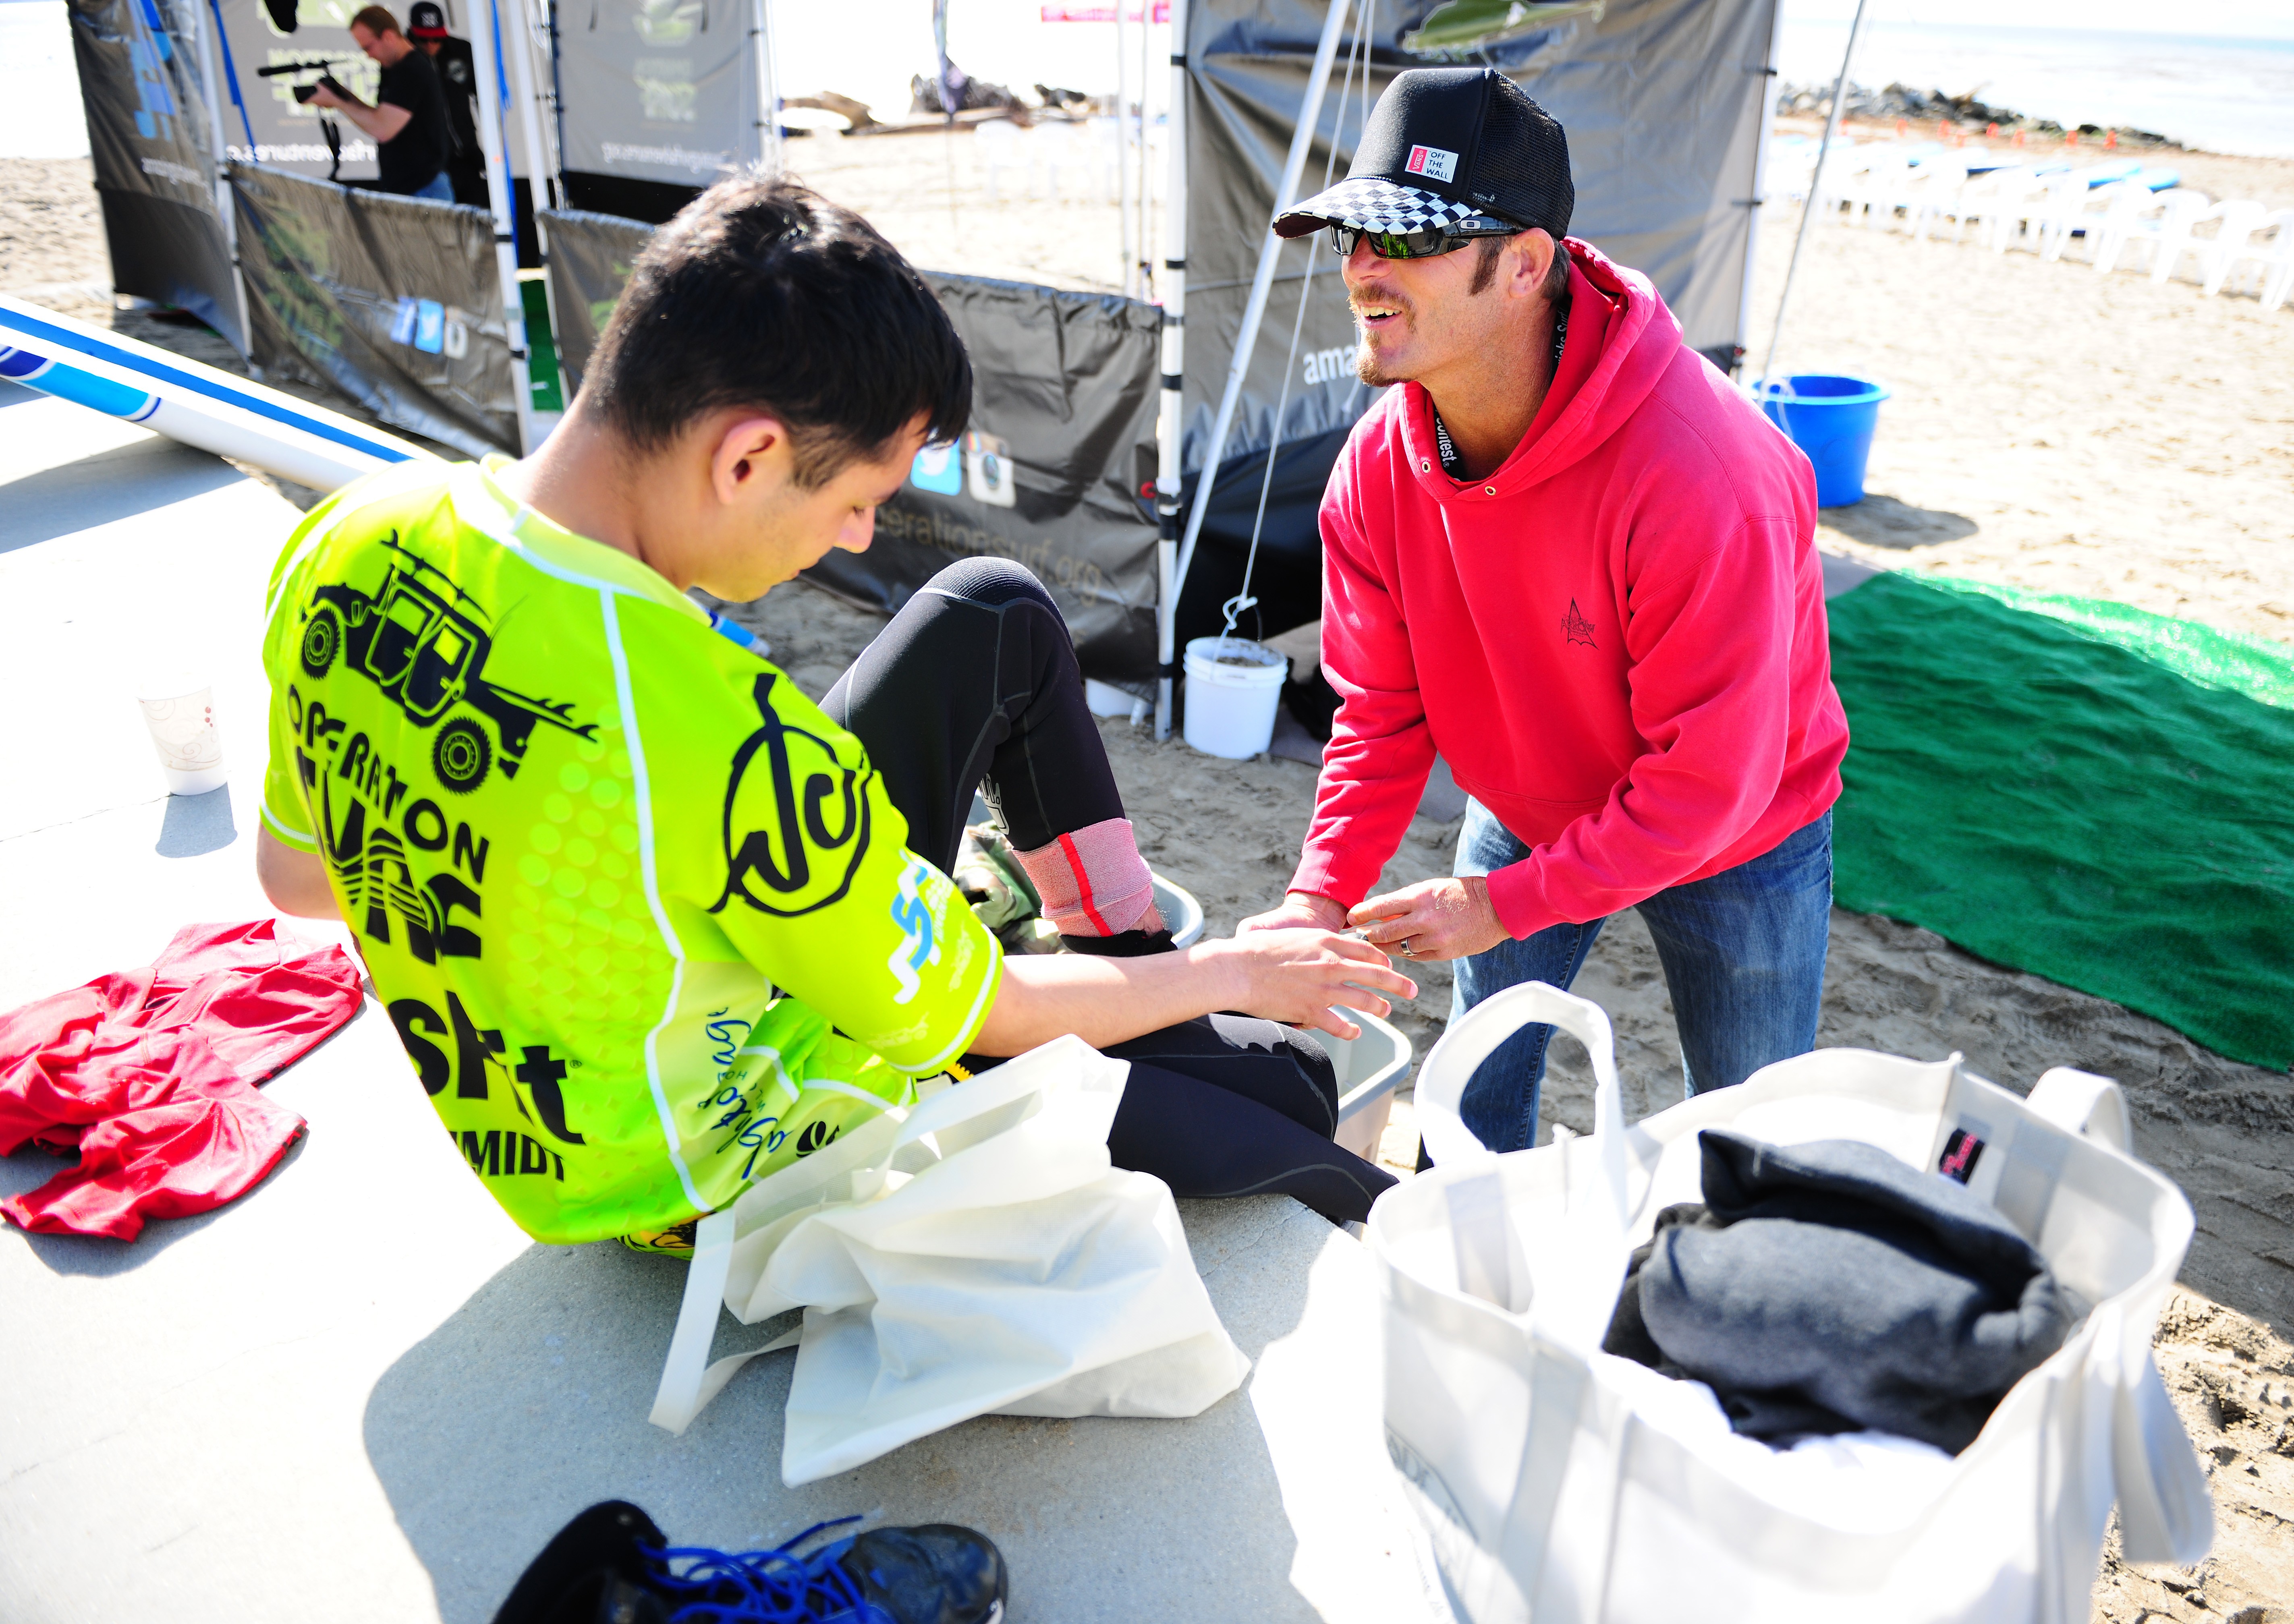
<point x="1409" y="244"/>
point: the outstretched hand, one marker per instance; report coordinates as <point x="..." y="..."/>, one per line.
<point x="1433" y="919"/>
<point x="1296" y="976"/>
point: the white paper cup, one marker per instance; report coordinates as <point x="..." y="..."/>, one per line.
<point x="184" y="733"/>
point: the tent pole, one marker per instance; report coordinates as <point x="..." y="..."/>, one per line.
<point x="1170" y="420"/>
<point x="1814" y="190"/>
<point x="1146" y="50"/>
<point x="1270" y="253"/>
<point x="209" y="28"/>
<point x="1759" y="200"/>
<point x="542" y="179"/>
<point x="1123" y="140"/>
<point x="483" y="28"/>
<point x="768" y="90"/>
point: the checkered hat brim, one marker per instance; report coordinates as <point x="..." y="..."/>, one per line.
<point x="1367" y="203"/>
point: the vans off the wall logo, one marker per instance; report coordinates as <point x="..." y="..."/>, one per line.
<point x="1434" y="162"/>
<point x="796" y="818"/>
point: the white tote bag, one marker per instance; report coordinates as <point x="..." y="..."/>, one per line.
<point x="974" y="1254"/>
<point x="1567" y="1486"/>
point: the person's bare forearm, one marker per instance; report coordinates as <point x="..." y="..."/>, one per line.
<point x="384" y="123"/>
<point x="1102" y="1001"/>
<point x="295" y="881"/>
<point x="1293" y="975"/>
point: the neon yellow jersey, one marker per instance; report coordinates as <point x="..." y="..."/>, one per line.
<point x="642" y="915"/>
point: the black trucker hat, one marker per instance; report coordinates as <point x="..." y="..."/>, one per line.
<point x="1444" y="145"/>
<point x="427" y="21"/>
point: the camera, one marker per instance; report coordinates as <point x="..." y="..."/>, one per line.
<point x="303" y="92"/>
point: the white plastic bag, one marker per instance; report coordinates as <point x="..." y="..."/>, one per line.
<point x="974" y="1255"/>
<point x="1559" y="1486"/>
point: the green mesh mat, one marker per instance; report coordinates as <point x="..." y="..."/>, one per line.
<point x="2099" y="795"/>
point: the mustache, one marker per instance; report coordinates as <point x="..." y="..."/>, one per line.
<point x="1355" y="302"/>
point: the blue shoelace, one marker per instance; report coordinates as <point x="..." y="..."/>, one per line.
<point x="774" y="1586"/>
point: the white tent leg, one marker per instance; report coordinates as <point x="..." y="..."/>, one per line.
<point x="482" y="24"/>
<point x="1270" y="252"/>
<point x="542" y="182"/>
<point x="1815" y="190"/>
<point x="1123" y="203"/>
<point x="1760" y="176"/>
<point x="211" y="68"/>
<point x="1169" y="419"/>
<point x="768" y="91"/>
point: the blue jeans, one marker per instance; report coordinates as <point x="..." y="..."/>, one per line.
<point x="1743" y="953"/>
<point x="437" y="188"/>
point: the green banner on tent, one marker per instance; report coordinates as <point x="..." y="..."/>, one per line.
<point x="2096" y="794"/>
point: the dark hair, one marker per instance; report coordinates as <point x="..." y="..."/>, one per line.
<point x="760" y="293"/>
<point x="1556" y="285"/>
<point x="377" y="21"/>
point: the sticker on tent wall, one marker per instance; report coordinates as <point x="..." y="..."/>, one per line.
<point x="988" y="463"/>
<point x="422" y="323"/>
<point x="936" y="469"/>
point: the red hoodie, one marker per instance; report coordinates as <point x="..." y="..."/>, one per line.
<point x="1618" y="640"/>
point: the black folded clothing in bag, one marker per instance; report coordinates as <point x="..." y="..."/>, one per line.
<point x="1828" y="1287"/>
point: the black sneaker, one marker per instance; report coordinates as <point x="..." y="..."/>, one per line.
<point x="611" y="1565"/>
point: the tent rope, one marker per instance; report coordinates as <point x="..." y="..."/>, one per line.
<point x="1233" y="607"/>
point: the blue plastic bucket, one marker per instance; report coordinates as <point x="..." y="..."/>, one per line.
<point x="1831" y="419"/>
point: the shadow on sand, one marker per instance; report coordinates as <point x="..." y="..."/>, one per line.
<point x="1883" y="521"/>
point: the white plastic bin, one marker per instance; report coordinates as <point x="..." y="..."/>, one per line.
<point x="1232" y="687"/>
<point x="1370" y="1068"/>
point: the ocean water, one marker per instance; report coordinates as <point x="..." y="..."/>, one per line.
<point x="2225" y="96"/>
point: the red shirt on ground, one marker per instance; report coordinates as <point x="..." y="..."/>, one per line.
<point x="1618" y="640"/>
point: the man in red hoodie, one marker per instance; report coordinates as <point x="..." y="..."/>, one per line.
<point x="1568" y="556"/>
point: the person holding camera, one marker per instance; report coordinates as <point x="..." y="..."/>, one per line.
<point x="408" y="120"/>
<point x="458" y="80"/>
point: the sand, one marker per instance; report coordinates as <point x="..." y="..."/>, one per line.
<point x="2051" y="428"/>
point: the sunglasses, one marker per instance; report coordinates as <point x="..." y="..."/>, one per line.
<point x="1426" y="243"/>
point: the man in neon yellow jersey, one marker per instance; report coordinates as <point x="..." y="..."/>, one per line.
<point x="649" y="922"/>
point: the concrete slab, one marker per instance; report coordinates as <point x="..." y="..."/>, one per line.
<point x="360" y="1393"/>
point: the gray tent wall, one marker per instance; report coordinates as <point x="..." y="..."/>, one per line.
<point x="657" y="101"/>
<point x="150" y="127"/>
<point x="1662" y="100"/>
<point x="1060" y="448"/>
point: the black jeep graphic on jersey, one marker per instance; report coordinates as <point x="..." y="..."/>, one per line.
<point x="428" y="655"/>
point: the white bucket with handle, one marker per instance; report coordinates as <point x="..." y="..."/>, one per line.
<point x="1562" y="1483"/>
<point x="1233" y="685"/>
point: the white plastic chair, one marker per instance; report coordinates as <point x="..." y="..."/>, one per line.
<point x="2107" y="228"/>
<point x="2275" y="260"/>
<point x="996" y="146"/>
<point x="1845" y="160"/>
<point x="2163" y="240"/>
<point x="1995" y="202"/>
<point x="1876" y="186"/>
<point x="2021" y="195"/>
<point x="2239" y="220"/>
<point x="1935" y="192"/>
<point x="1106" y="158"/>
<point x="2060" y="209"/>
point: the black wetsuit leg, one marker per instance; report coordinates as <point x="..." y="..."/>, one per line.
<point x="975" y="686"/>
